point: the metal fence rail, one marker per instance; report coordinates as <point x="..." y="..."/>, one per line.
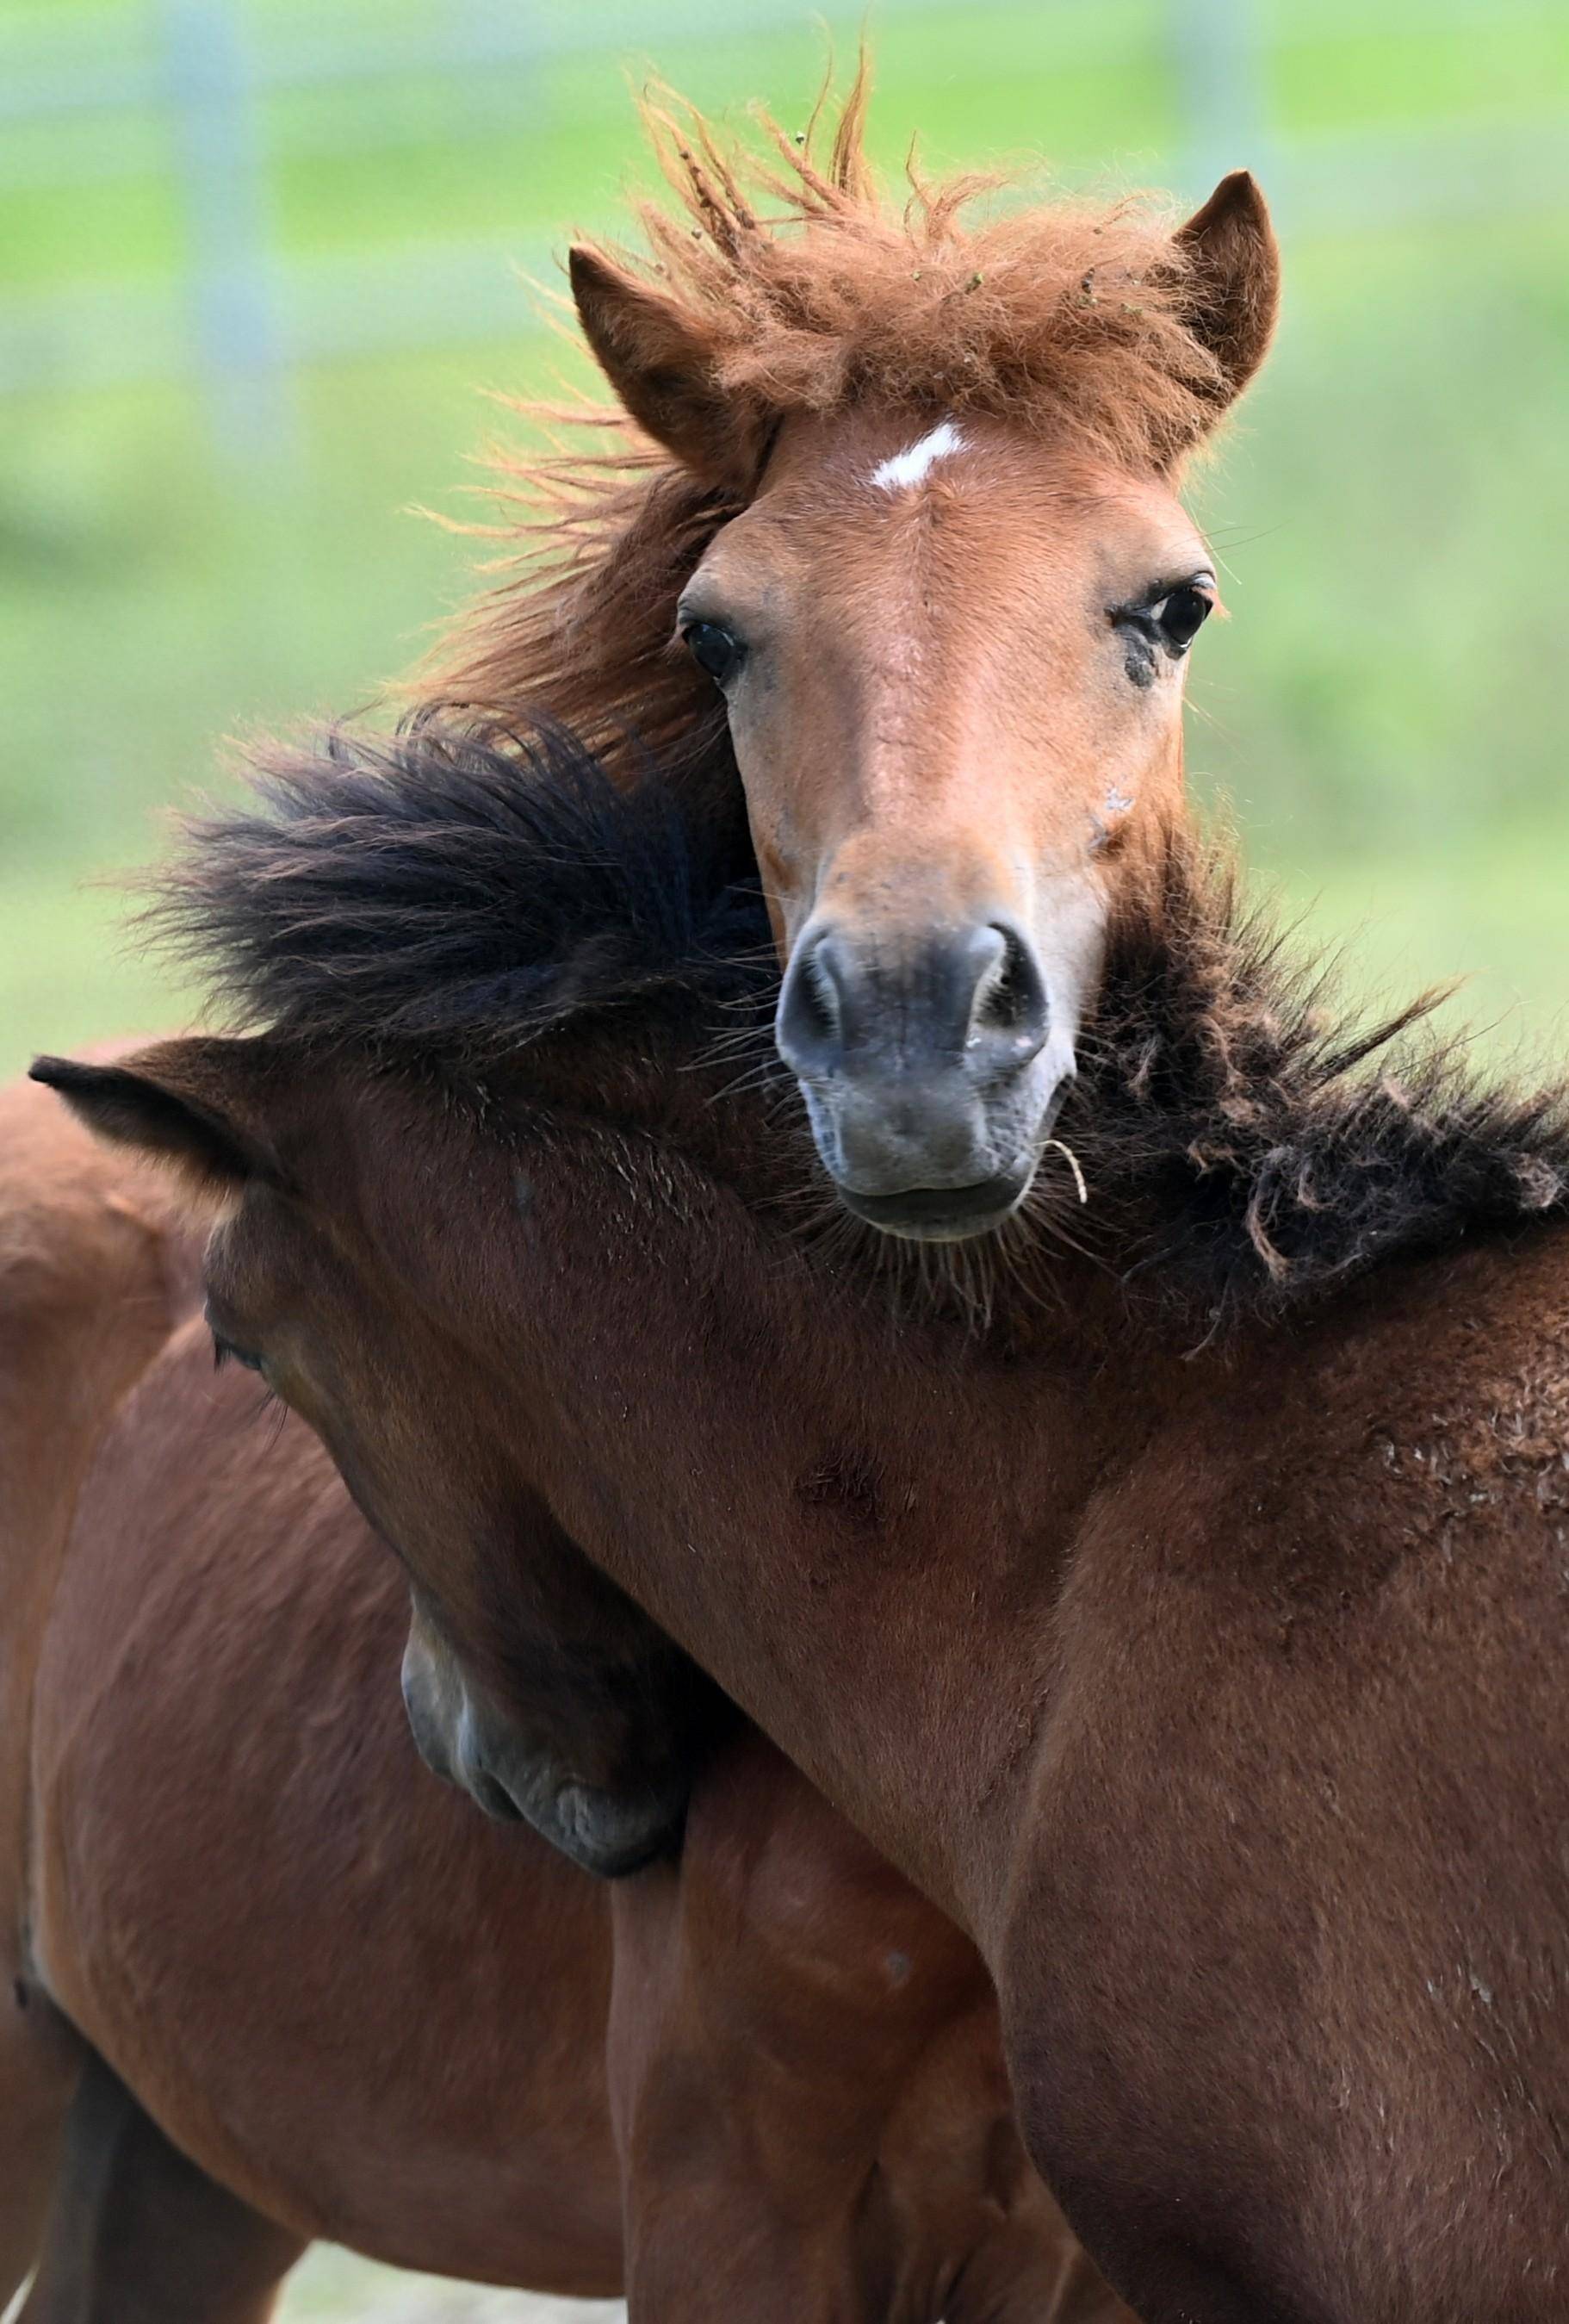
<point x="196" y="92"/>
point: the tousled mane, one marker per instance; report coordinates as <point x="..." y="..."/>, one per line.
<point x="448" y="897"/>
<point x="442" y="900"/>
<point x="812" y="288"/>
<point x="1259" y="1141"/>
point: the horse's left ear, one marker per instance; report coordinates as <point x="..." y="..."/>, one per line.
<point x="1234" y="280"/>
<point x="664" y="375"/>
<point x="191" y="1103"/>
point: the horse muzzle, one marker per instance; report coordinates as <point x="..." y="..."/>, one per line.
<point x="605" y="1829"/>
<point x="930" y="1077"/>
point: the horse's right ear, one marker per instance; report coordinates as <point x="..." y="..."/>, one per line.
<point x="186" y="1103"/>
<point x="664" y="375"/>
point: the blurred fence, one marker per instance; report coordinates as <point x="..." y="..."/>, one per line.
<point x="200" y="91"/>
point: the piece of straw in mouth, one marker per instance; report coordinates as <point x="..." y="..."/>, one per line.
<point x="1073" y="1160"/>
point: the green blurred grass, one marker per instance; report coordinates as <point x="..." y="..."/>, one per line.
<point x="330" y="2286"/>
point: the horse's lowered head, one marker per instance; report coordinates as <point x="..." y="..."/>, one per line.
<point x="948" y="609"/>
<point x="547" y="1696"/>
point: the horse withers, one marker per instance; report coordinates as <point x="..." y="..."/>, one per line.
<point x="1180" y="1606"/>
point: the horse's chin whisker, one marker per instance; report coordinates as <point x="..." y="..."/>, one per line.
<point x="754" y="1077"/>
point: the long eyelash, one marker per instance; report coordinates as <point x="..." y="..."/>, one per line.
<point x="268" y="1398"/>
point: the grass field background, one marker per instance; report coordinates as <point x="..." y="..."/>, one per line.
<point x="1383" y="711"/>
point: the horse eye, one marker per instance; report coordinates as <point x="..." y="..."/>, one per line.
<point x="1181" y="615"/>
<point x="224" y="1351"/>
<point x="714" y="650"/>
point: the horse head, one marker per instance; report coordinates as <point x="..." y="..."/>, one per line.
<point x="529" y="1678"/>
<point x="947" y="605"/>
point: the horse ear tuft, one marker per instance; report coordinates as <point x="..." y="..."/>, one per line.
<point x="1234" y="273"/>
<point x="663" y="374"/>
<point x="166" y="1102"/>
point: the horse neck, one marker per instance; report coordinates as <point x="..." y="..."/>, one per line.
<point x="859" y="1527"/>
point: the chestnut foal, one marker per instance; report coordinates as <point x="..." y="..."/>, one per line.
<point x="903" y="488"/>
<point x="301" y="1990"/>
<point x="1183" y="1607"/>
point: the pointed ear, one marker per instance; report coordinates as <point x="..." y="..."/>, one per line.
<point x="663" y="374"/>
<point x="192" y="1104"/>
<point x="1235" y="279"/>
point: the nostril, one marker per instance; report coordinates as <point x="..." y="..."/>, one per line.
<point x="818" y="997"/>
<point x="811" y="1015"/>
<point x="1011" y="1000"/>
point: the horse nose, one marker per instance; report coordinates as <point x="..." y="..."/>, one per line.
<point x="607" y="1830"/>
<point x="975" y="998"/>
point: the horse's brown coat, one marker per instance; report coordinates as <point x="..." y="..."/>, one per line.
<point x="769" y="2084"/>
<point x="1220" y="1699"/>
<point x="81" y="1235"/>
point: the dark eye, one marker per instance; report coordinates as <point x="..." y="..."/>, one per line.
<point x="224" y="1351"/>
<point x="1181" y="615"/>
<point x="714" y="650"/>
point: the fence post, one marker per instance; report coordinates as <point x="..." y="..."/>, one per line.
<point x="238" y="342"/>
<point x="1218" y="57"/>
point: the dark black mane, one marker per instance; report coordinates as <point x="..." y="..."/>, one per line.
<point x="442" y="899"/>
<point x="1267" y="1145"/>
<point x="445" y="897"/>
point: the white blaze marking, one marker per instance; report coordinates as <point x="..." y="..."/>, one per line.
<point x="908" y="467"/>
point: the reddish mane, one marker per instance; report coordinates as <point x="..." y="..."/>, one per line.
<point x="812" y="290"/>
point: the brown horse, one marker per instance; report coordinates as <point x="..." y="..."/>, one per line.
<point x="913" y="512"/>
<point x="1184" y="1614"/>
<point x="301" y="1990"/>
<point x="83" y="1238"/>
